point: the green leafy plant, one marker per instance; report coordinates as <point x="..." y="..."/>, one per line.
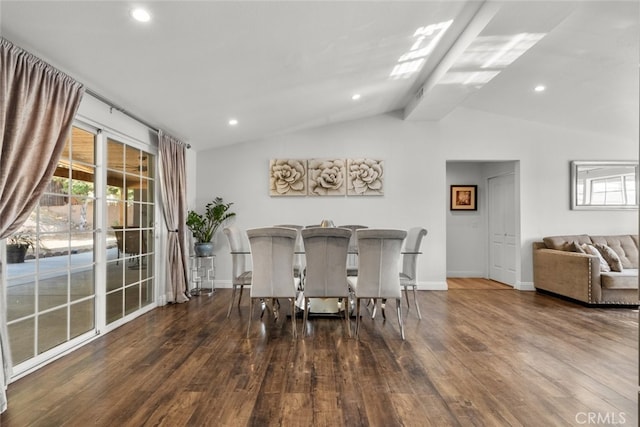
<point x="204" y="226"/>
<point x="21" y="240"/>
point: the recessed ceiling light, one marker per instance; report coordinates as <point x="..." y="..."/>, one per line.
<point x="233" y="122"/>
<point x="539" y="88"/>
<point x="140" y="15"/>
<point x="355" y="96"/>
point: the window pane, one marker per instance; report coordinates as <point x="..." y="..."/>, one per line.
<point x="82" y="283"/>
<point x="82" y="317"/>
<point x="114" y="306"/>
<point x="52" y="329"/>
<point x="21" y="297"/>
<point x="132" y="299"/>
<point x="53" y="291"/>
<point x="146" y="297"/>
<point x="115" y="155"/>
<point x="21" y="339"/>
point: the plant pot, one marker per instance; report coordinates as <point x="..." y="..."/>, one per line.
<point x="203" y="249"/>
<point x="16" y="253"/>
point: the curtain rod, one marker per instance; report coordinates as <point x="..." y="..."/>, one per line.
<point x="123" y="111"/>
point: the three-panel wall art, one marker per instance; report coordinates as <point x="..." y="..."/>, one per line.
<point x="326" y="177"/>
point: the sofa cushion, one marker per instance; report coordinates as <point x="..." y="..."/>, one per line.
<point x="575" y="246"/>
<point x="563" y="243"/>
<point x="626" y="246"/>
<point x="591" y="250"/>
<point x="610" y="256"/>
<point x="626" y="279"/>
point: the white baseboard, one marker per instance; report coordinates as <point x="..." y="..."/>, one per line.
<point x="433" y="286"/>
<point x="221" y="284"/>
<point x="525" y="286"/>
<point x="466" y="274"/>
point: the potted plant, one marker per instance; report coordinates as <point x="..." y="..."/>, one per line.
<point x="17" y="246"/>
<point x="204" y="226"/>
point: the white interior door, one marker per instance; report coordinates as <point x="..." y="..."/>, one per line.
<point x="502" y="229"/>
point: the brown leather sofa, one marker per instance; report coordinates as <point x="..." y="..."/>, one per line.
<point x="559" y="269"/>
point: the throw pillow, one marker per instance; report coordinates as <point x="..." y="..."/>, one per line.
<point x="575" y="247"/>
<point x="610" y="256"/>
<point x="591" y="250"/>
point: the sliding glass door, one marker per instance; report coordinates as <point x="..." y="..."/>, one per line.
<point x="89" y="264"/>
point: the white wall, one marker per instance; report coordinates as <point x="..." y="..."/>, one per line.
<point x="416" y="193"/>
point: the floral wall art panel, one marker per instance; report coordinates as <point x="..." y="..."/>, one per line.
<point x="365" y="177"/>
<point x="287" y="177"/>
<point x="327" y="177"/>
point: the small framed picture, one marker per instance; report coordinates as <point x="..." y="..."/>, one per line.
<point x="464" y="197"/>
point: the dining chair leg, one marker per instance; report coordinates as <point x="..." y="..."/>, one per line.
<point x="357" y="318"/>
<point x="415" y="300"/>
<point x="293" y="317"/>
<point x="305" y="317"/>
<point x="406" y="294"/>
<point x="249" y="321"/>
<point x="383" y="303"/>
<point x="263" y="307"/>
<point x="399" y="310"/>
<point x="240" y="294"/>
<point x="233" y="296"/>
<point x="346" y="315"/>
<point x="375" y="307"/>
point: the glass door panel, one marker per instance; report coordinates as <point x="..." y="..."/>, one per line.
<point x="131" y="221"/>
<point x="56" y="278"/>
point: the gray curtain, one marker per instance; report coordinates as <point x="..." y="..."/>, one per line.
<point x="37" y="107"/>
<point x="174" y="205"/>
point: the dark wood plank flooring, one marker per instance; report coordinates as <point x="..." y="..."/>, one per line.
<point x="478" y="357"/>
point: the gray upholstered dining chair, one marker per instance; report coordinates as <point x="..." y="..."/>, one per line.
<point x="408" y="275"/>
<point x="240" y="271"/>
<point x="378" y="269"/>
<point x="352" y="257"/>
<point x="272" y="252"/>
<point x="326" y="259"/>
<point x="299" y="259"/>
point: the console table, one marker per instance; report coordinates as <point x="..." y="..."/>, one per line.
<point x="202" y="272"/>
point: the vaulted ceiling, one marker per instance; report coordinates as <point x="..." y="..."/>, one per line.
<point x="279" y="66"/>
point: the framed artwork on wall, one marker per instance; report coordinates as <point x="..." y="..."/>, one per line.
<point x="365" y="177"/>
<point x="326" y="177"/>
<point x="287" y="177"/>
<point x="464" y="197"/>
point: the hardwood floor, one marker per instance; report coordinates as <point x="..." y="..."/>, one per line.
<point x="477" y="357"/>
<point x="475" y="283"/>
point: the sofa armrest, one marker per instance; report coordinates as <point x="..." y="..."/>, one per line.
<point x="571" y="274"/>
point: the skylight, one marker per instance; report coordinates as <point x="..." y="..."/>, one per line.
<point x="425" y="40"/>
<point x="487" y="56"/>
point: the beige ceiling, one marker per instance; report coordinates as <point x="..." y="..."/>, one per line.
<point x="279" y="66"/>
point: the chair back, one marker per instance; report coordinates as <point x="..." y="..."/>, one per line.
<point x="352" y="257"/>
<point x="272" y="252"/>
<point x="237" y="245"/>
<point x="326" y="258"/>
<point x="378" y="262"/>
<point x="412" y="247"/>
<point x="298" y="261"/>
<point x="353" y="242"/>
